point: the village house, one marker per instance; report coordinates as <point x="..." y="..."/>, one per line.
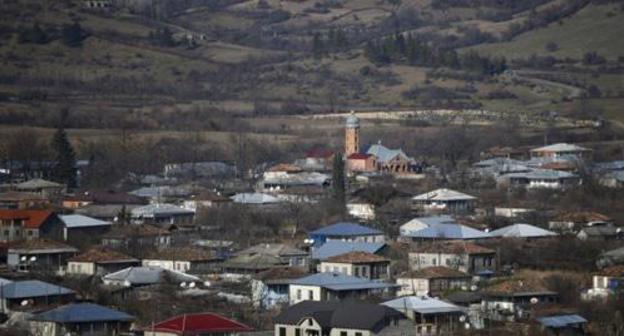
<point x="31" y="295"/>
<point x="463" y="256"/>
<point x="194" y="170"/>
<point x="80" y="227"/>
<point x="269" y="289"/>
<point x="611" y="258"/>
<point x="438" y="228"/>
<point x="81" y="319"/>
<point x="256" y="199"/>
<point x="184" y="259"/>
<point x="431" y="316"/>
<point x="605" y="283"/>
<point x="84" y="198"/>
<point x="39" y="255"/>
<point x="284" y="182"/>
<point x="317" y="158"/>
<point x="204" y="200"/>
<point x="512" y="300"/>
<point x="563" y="150"/>
<point x="136" y="235"/>
<point x="361" y="163"/>
<point x="338" y="247"/>
<point x="313" y="318"/>
<point x="361" y="209"/>
<point x="114" y="213"/>
<point x="336" y="286"/>
<point x="358" y="264"/>
<point x="162" y="214"/>
<point x="16" y="225"/>
<point x="288" y="255"/>
<point x="432" y="281"/>
<point x="540" y="179"/>
<point x="392" y="161"/>
<point x="563" y="324"/>
<point x="444" y="200"/>
<point x="99" y="260"/>
<point x="601" y="233"/>
<point x="197" y="324"/>
<point x="48" y="189"/>
<point x="346" y="232"/>
<point x="471" y="302"/>
<point x="249" y="264"/>
<point x="22" y="200"/>
<point x="573" y="221"/>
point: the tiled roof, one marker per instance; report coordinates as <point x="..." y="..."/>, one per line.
<point x="452" y="248"/>
<point x="337" y="247"/>
<point x="285" y="167"/>
<point x="209" y="196"/>
<point x="33" y="218"/>
<point x="356" y="257"/>
<point x="182" y="253"/>
<point x="359" y="156"/>
<point x="99" y="196"/>
<point x="144" y="230"/>
<point x="199" y="323"/>
<point x="613" y="271"/>
<point x="41" y="244"/>
<point x="346" y="229"/>
<point x="319" y="153"/>
<point x="35" y="184"/>
<point x="519" y="286"/>
<point x="282" y="273"/>
<point x="101" y="254"/>
<point x="434" y="272"/>
<point x="13" y="196"/>
<point x="581" y="217"/>
<point x="277" y="250"/>
<point x="82" y="313"/>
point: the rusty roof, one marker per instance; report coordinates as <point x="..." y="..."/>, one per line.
<point x="519" y="287"/>
<point x="285" y="167"/>
<point x="40" y="244"/>
<point x="613" y="271"/>
<point x="356" y="257"/>
<point x="101" y="254"/>
<point x="435" y="272"/>
<point x="452" y="247"/>
<point x="144" y="230"/>
<point x="33" y="218"/>
<point x="581" y="217"/>
<point x="183" y="254"/>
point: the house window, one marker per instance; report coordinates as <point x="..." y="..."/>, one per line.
<point x="298" y="294"/>
<point x="282" y="331"/>
<point x="434" y="261"/>
<point x="364" y="271"/>
<point x="30" y="233"/>
<point x="448" y="261"/>
<point x="343" y="333"/>
<point x="358" y="334"/>
<point x="297" y="332"/>
<point x="310" y="295"/>
<point x="357" y="271"/>
<point x="310" y="323"/>
<point x="344" y="270"/>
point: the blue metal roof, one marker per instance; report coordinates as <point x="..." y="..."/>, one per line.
<point x="339" y="281"/>
<point x="423" y="305"/>
<point x="561" y="321"/>
<point x="82" y="312"/>
<point x="32" y="288"/>
<point x="448" y="231"/>
<point x="346" y="229"/>
<point x="336" y="247"/>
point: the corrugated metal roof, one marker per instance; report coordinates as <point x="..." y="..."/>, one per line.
<point x="385" y="154"/>
<point x="147" y="275"/>
<point x="82" y="312"/>
<point x="160" y="209"/>
<point x="339" y="281"/>
<point x="521" y="231"/>
<point x="255" y="198"/>
<point x="346" y="229"/>
<point x="423" y="305"/>
<point x="335" y="247"/>
<point x="561" y="321"/>
<point x="447" y="231"/>
<point x="560" y="147"/>
<point x="32" y="288"/>
<point x="76" y="221"/>
<point x="443" y="194"/>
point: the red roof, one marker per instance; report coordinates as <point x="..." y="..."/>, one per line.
<point x="33" y="218"/>
<point x="319" y="153"/>
<point x="199" y="323"/>
<point x="359" y="156"/>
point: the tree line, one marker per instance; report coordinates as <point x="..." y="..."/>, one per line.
<point x="409" y="50"/>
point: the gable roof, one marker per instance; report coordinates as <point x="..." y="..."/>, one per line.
<point x="40" y="245"/>
<point x="101" y="196"/>
<point x="285" y="167"/>
<point x="385" y="154"/>
<point x="346" y="229"/>
<point x="34" y="219"/>
<point x="359" y="156"/>
<point x="159" y="210"/>
<point x="258" y="261"/>
<point x="339" y="314"/>
<point x="339" y="282"/>
<point x="277" y="250"/>
<point x="423" y="305"/>
<point x="37" y="183"/>
<point x="199" y="323"/>
<point x="356" y="257"/>
<point x="81" y="313"/>
<point x="561" y="321"/>
<point x="519" y="287"/>
<point x="447" y="231"/>
<point x="143" y="230"/>
<point x="16" y="196"/>
<point x="32" y="288"/>
<point x="521" y="231"/>
<point x="336" y="247"/>
<point x="319" y="153"/>
<point x="443" y="194"/>
<point x="452" y="247"/>
<point x="185" y="253"/>
<point x="79" y="221"/>
<point x="581" y="217"/>
<point x="255" y="198"/>
<point x="100" y="254"/>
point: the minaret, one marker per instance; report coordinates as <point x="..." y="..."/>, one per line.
<point x="352" y="135"/>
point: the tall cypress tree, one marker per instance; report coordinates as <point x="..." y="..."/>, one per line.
<point x="338" y="181"/>
<point x="65" y="158"/>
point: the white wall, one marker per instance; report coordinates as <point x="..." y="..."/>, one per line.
<point x="300" y="293"/>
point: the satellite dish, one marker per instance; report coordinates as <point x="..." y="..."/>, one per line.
<point x="24" y="303"/>
<point x="207" y="284"/>
<point x="462" y="318"/>
<point x="183" y="284"/>
<point x="473" y="288"/>
<point x="33" y="258"/>
<point x="192" y="285"/>
<point x="127" y="283"/>
<point x="467" y="326"/>
<point x="23" y="258"/>
<point x="534" y="300"/>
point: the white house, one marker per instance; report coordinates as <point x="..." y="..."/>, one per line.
<point x="444" y="200"/>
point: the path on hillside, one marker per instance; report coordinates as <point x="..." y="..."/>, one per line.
<point x="574" y="91"/>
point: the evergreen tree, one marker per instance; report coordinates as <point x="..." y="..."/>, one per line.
<point x="338" y="181"/>
<point x="65" y="166"/>
<point x="73" y="35"/>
